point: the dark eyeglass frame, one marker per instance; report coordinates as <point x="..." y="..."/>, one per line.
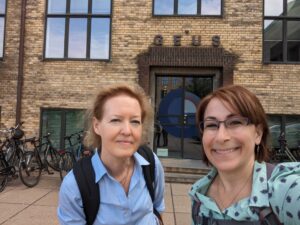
<point x="218" y="122"/>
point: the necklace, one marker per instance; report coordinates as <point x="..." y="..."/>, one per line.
<point x="221" y="203"/>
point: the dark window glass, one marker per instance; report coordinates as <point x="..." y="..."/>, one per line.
<point x="187" y="7"/>
<point x="79" y="6"/>
<point x="60" y="122"/>
<point x="100" y="38"/>
<point x="281" y="31"/>
<point x="101" y="6"/>
<point x="293" y="41"/>
<point x="55" y="37"/>
<point x="2" y="6"/>
<point x="293" y="8"/>
<point x="2" y="24"/>
<point x="77" y="38"/>
<point x="274" y="123"/>
<point x="56" y="6"/>
<point x="273" y="7"/>
<point x="211" y="7"/>
<point x="76" y="31"/>
<point x="273" y="49"/>
<point x="1" y="36"/>
<point x="163" y="7"/>
<point x="292" y="132"/>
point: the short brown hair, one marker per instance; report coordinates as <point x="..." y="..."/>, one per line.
<point x="246" y="104"/>
<point x="106" y="92"/>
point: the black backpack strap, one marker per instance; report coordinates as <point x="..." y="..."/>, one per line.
<point x="89" y="190"/>
<point x="149" y="173"/>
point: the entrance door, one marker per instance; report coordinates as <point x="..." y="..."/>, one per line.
<point x="176" y="133"/>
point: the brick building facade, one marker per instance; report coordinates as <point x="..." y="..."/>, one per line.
<point x="148" y="49"/>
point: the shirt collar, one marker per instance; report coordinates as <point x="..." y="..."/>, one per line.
<point x="100" y="169"/>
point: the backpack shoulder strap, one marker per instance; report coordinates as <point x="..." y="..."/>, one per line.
<point x="89" y="190"/>
<point x="266" y="215"/>
<point x="149" y="173"/>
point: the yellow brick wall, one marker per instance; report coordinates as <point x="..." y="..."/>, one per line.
<point x="71" y="84"/>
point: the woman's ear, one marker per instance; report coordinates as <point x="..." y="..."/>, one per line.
<point x="259" y="134"/>
<point x="96" y="126"/>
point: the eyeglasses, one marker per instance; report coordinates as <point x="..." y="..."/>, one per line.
<point x="231" y="123"/>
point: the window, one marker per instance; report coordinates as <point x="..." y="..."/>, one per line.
<point x="78" y="29"/>
<point x="2" y="25"/>
<point x="282" y="31"/>
<point x="187" y="7"/>
<point x="290" y="125"/>
<point x="60" y="123"/>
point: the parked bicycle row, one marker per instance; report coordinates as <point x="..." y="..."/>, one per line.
<point x="28" y="157"/>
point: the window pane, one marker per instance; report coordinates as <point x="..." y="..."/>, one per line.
<point x="77" y="38"/>
<point x="293" y="38"/>
<point x="79" y="6"/>
<point x="273" y="40"/>
<point x="1" y="36"/>
<point x="163" y="7"/>
<point x="274" y="123"/>
<point x="273" y="7"/>
<point x="55" y="37"/>
<point x="2" y="6"/>
<point x="100" y="38"/>
<point x="292" y="131"/>
<point x="56" y="6"/>
<point x="187" y="7"/>
<point x="74" y="121"/>
<point x="51" y="123"/>
<point x="293" y="8"/>
<point x="211" y="7"/>
<point x="101" y="6"/>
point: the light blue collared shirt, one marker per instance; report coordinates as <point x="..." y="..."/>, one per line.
<point x="115" y="208"/>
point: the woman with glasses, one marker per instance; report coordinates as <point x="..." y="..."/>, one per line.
<point x="241" y="187"/>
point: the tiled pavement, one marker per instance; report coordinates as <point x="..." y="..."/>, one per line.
<point x="20" y="205"/>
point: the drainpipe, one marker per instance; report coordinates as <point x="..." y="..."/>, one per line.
<point x="21" y="63"/>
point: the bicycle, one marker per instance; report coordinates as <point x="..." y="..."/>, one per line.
<point x="51" y="154"/>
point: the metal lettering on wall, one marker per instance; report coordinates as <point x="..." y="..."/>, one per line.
<point x="196" y="40"/>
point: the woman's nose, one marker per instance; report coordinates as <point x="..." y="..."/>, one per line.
<point x="222" y="133"/>
<point x="126" y="129"/>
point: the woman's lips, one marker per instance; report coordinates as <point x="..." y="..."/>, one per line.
<point x="225" y="150"/>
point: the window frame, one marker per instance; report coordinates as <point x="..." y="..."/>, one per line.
<point x="175" y="11"/>
<point x="284" y="18"/>
<point x="4" y="29"/>
<point x="63" y="112"/>
<point x="67" y="16"/>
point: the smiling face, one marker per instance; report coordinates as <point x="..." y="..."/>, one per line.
<point x="229" y="149"/>
<point x="120" y="128"/>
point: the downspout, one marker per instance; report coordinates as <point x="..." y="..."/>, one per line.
<point x="21" y="63"/>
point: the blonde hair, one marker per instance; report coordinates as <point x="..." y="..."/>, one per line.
<point x="93" y="140"/>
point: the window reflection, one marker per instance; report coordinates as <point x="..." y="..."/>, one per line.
<point x="293" y="37"/>
<point x="292" y="132"/>
<point x="2" y="6"/>
<point x="55" y="35"/>
<point x="211" y="7"/>
<point x="56" y="6"/>
<point x="293" y="8"/>
<point x="100" y="38"/>
<point x="101" y="6"/>
<point x="79" y="6"/>
<point x="187" y="7"/>
<point x="273" y="50"/>
<point x="163" y="7"/>
<point x="273" y="7"/>
<point x="77" y="38"/>
<point x="274" y="123"/>
<point x="1" y="36"/>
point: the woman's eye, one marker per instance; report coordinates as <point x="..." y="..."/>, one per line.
<point x="136" y="122"/>
<point x="115" y="120"/>
<point x="234" y="122"/>
<point x="211" y="126"/>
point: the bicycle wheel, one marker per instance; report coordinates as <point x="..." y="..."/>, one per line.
<point x="30" y="169"/>
<point x="3" y="175"/>
<point x="52" y="157"/>
<point x="65" y="164"/>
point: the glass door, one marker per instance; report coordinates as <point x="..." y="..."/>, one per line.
<point x="176" y="134"/>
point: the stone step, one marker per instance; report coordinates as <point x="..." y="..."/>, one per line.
<point x="185" y="170"/>
<point x="182" y="178"/>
